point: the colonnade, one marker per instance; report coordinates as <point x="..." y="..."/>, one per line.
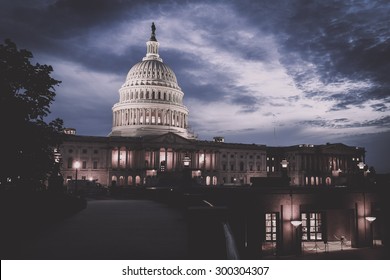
<point x="326" y="163"/>
<point x="153" y="116"/>
<point x="163" y="159"/>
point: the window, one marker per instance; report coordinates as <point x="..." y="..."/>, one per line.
<point x="95" y="151"/>
<point x="232" y="167"/>
<point x="270" y="226"/>
<point x="70" y="162"/>
<point x="311" y="226"/>
<point x="84" y="164"/>
<point x="70" y="151"/>
<point x="95" y="164"/>
<point x="224" y="167"/>
<point x="241" y="166"/>
<point x="84" y="151"/>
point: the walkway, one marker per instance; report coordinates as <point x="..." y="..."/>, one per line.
<point x="113" y="229"/>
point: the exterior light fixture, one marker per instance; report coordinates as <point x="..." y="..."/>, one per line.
<point x="370" y="219"/>
<point x="76" y="166"/>
<point x="296" y="223"/>
<point x="186" y="161"/>
<point x="284" y="163"/>
<point x="361" y="165"/>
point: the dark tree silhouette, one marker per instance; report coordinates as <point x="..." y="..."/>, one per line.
<point x="26" y="93"/>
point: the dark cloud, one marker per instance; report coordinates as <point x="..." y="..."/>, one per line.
<point x="347" y="123"/>
<point x="344" y="40"/>
<point x="380" y="107"/>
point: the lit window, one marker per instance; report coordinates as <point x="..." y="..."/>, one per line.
<point x="270" y="226"/>
<point x="311" y="226"/>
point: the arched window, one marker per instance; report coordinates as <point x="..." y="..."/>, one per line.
<point x="215" y="180"/>
<point x="137" y="180"/>
<point x="121" y="181"/>
<point x="208" y="181"/>
<point x="328" y="181"/>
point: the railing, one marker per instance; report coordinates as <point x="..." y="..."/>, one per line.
<point x="231" y="248"/>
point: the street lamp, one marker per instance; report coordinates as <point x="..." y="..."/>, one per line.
<point x="371" y="219"/>
<point x="186" y="160"/>
<point x="284" y="163"/>
<point x="76" y="166"/>
<point x="361" y="165"/>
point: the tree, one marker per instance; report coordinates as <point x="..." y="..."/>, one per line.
<point x="26" y="93"/>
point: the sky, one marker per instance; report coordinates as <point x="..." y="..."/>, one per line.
<point x="274" y="72"/>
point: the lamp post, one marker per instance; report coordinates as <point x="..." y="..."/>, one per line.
<point x="296" y="224"/>
<point x="371" y="219"/>
<point x="361" y="165"/>
<point x="76" y="166"/>
<point x="186" y="160"/>
<point x="284" y="163"/>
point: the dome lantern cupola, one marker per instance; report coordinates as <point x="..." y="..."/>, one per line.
<point x="152" y="47"/>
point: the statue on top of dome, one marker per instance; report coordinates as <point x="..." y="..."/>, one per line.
<point x="153" y="36"/>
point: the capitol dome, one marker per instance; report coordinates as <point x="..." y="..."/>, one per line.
<point x="150" y="100"/>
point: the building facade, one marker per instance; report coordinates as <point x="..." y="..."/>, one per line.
<point x="150" y="140"/>
<point x="150" y="145"/>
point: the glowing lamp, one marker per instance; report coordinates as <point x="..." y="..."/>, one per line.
<point x="284" y="163"/>
<point x="370" y="219"/>
<point x="296" y="223"/>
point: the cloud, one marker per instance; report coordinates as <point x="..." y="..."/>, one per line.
<point x="272" y="72"/>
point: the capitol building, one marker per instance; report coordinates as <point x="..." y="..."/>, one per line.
<point x="284" y="200"/>
<point x="150" y="144"/>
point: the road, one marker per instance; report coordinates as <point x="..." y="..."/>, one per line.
<point x="113" y="230"/>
